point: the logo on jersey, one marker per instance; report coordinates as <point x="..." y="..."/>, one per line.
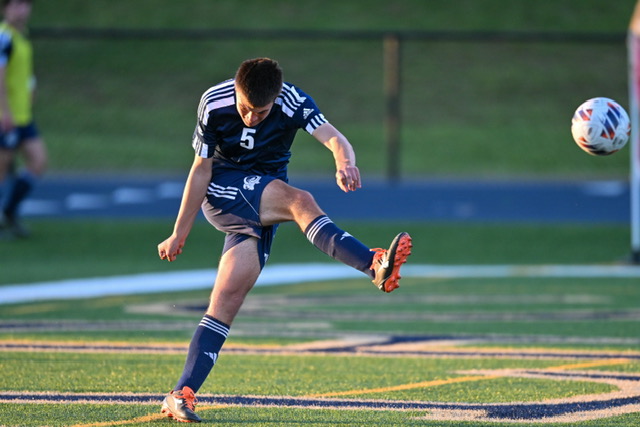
<point x="306" y="112"/>
<point x="250" y="182"/>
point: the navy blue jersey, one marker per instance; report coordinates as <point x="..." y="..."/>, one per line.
<point x="264" y="149"/>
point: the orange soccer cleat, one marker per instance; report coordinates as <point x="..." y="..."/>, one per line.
<point x="180" y="405"/>
<point x="386" y="263"/>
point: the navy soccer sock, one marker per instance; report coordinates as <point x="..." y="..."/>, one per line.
<point x="20" y="189"/>
<point x="340" y="245"/>
<point x="203" y="352"/>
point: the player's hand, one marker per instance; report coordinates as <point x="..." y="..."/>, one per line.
<point x="170" y="248"/>
<point x="6" y="123"/>
<point x="348" y="178"/>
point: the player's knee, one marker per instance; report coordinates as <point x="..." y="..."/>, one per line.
<point x="35" y="159"/>
<point x="286" y="203"/>
<point x="304" y="209"/>
<point x="225" y="304"/>
<point x="302" y="200"/>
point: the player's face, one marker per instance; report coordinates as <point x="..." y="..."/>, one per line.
<point x="17" y="12"/>
<point x="251" y="115"/>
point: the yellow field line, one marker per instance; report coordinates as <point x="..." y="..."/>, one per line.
<point x="423" y="384"/>
<point x="589" y="364"/>
<point x="143" y="419"/>
<point x="436" y="383"/>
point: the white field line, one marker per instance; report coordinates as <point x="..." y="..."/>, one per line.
<point x="282" y="274"/>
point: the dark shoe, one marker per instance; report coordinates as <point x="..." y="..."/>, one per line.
<point x="180" y="405"/>
<point x="387" y="263"/>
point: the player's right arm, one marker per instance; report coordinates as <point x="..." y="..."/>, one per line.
<point x="6" y="118"/>
<point x="347" y="173"/>
<point x="195" y="191"/>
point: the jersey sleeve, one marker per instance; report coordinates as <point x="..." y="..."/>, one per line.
<point x="199" y="145"/>
<point x="301" y="108"/>
<point x="217" y="97"/>
<point x="202" y="142"/>
<point x="5" y="47"/>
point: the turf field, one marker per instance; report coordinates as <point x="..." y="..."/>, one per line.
<point x="463" y="339"/>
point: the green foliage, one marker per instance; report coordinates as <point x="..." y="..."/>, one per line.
<point x="588" y="15"/>
<point x="468" y="108"/>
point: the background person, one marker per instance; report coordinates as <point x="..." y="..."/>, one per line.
<point x="18" y="131"/>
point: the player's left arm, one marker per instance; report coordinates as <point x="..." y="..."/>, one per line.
<point x="347" y="173"/>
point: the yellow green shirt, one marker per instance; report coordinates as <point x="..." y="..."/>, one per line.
<point x="16" y="57"/>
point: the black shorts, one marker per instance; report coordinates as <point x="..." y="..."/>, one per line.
<point x="12" y="140"/>
<point x="232" y="206"/>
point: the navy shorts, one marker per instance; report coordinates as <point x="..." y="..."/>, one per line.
<point x="232" y="206"/>
<point x="12" y="140"/>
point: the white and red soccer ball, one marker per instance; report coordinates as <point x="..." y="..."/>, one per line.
<point x="600" y="126"/>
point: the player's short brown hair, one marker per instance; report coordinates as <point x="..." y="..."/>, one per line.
<point x="6" y="2"/>
<point x="260" y="80"/>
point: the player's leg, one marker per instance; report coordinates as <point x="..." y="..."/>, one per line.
<point x="6" y="160"/>
<point x="35" y="158"/>
<point x="238" y="271"/>
<point x="35" y="155"/>
<point x="282" y="202"/>
<point x="247" y="243"/>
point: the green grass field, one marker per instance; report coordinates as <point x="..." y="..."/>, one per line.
<point x="463" y="348"/>
<point x="438" y="351"/>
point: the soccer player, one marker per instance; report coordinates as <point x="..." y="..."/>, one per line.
<point x="18" y="131"/>
<point x="242" y="147"/>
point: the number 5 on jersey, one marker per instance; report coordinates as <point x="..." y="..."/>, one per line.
<point x="246" y="140"/>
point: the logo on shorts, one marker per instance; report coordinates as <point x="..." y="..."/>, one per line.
<point x="250" y="182"/>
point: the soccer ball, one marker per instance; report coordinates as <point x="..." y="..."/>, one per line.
<point x="600" y="126"/>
